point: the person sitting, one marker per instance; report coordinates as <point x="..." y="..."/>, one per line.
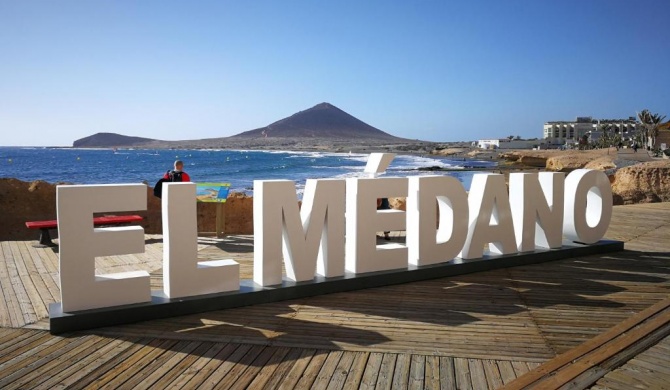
<point x="177" y="174"/>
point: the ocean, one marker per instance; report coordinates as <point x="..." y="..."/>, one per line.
<point x="238" y="167"/>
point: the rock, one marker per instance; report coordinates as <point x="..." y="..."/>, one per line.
<point x="22" y="202"/>
<point x="575" y="160"/>
<point x="448" y="151"/>
<point x="642" y="183"/>
<point x="560" y="160"/>
<point x="533" y="161"/>
<point x="398" y="203"/>
<point x="601" y="164"/>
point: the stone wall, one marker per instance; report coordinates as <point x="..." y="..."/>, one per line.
<point x="21" y="202"/>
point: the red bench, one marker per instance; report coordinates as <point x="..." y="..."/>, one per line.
<point x="44" y="226"/>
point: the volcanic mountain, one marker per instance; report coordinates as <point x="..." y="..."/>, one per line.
<point x="321" y="121"/>
<point x="107" y="140"/>
<point x="323" y="126"/>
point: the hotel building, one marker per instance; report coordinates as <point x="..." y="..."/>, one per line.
<point x="569" y="132"/>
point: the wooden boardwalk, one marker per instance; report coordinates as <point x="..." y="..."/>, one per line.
<point x="479" y="331"/>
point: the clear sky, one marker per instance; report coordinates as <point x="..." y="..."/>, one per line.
<point x="433" y="70"/>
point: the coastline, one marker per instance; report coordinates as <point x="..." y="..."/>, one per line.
<point x="635" y="178"/>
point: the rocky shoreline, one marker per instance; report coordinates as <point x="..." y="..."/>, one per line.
<point x="635" y="178"/>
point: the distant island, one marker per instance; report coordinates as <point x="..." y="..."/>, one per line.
<point x="322" y="127"/>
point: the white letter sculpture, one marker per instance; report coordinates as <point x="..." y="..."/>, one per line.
<point x="364" y="221"/>
<point x="588" y="212"/>
<point x="537" y="209"/>
<point x="429" y="242"/>
<point x="80" y="243"/>
<point x="311" y="240"/>
<point x="490" y="219"/>
<point x="377" y="163"/>
<point x="183" y="274"/>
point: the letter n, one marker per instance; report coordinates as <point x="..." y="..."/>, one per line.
<point x="536" y="201"/>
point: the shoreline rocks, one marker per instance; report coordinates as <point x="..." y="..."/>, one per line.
<point x="647" y="182"/>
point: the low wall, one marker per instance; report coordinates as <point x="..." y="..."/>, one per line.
<point x="22" y="201"/>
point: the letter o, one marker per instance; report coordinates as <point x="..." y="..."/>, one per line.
<point x="588" y="206"/>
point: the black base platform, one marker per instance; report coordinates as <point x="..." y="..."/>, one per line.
<point x="252" y="294"/>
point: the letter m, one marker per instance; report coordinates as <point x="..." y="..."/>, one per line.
<point x="311" y="239"/>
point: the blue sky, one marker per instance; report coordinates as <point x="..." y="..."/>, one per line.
<point x="430" y="70"/>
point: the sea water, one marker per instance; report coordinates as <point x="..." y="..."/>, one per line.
<point x="238" y="167"/>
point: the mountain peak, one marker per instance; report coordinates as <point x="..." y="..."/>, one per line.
<point x="323" y="105"/>
<point x="324" y="120"/>
<point x="108" y="140"/>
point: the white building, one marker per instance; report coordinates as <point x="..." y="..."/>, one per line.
<point x="568" y="132"/>
<point x="506" y="143"/>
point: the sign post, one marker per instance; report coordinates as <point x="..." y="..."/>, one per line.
<point x="217" y="193"/>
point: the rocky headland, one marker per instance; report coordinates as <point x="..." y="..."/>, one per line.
<point x="323" y="127"/>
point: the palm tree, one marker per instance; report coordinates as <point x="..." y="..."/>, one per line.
<point x="650" y="125"/>
<point x="606" y="139"/>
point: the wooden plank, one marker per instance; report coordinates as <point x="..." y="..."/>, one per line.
<point x="598" y="356"/>
<point x="477" y="374"/>
<point x="371" y="372"/>
<point x="87" y="358"/>
<point x="7" y="278"/>
<point x="116" y="376"/>
<point x="265" y="373"/>
<point x="447" y="373"/>
<point x="312" y="369"/>
<point x="401" y="371"/>
<point x="432" y="372"/>
<point x="208" y="365"/>
<point x="193" y="364"/>
<point x="507" y="372"/>
<point x="386" y="370"/>
<point x="48" y="278"/>
<point x="493" y="376"/>
<point x="357" y="370"/>
<point x="165" y="367"/>
<point x="339" y="375"/>
<point x="40" y="296"/>
<point x="24" y="369"/>
<point x="417" y="372"/>
<point x="10" y="336"/>
<point x="587" y="347"/>
<point x="282" y="370"/>
<point x="53" y="364"/>
<point x="22" y="343"/>
<point x="636" y="381"/>
<point x="96" y="360"/>
<point x="108" y="364"/>
<point x="243" y="374"/>
<point x="33" y="352"/>
<point x="24" y="290"/>
<point x="462" y="370"/>
<point x="298" y="368"/>
<point x="660" y="366"/>
<point x="241" y="354"/>
<point x="327" y="370"/>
